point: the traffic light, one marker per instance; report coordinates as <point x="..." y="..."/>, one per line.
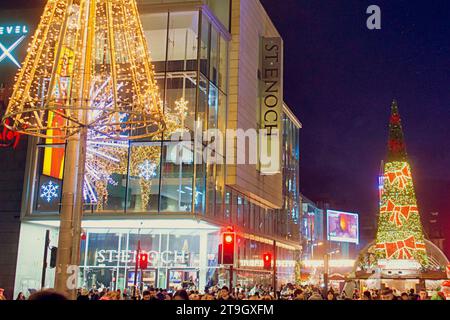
<point x="53" y="254"/>
<point x="143" y="261"/>
<point x="228" y="248"/>
<point x="267" y="260"/>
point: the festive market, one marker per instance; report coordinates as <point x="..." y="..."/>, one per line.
<point x="206" y="150"/>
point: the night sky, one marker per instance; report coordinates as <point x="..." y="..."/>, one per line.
<point x="340" y="79"/>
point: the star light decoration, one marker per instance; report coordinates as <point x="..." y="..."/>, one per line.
<point x="106" y="158"/>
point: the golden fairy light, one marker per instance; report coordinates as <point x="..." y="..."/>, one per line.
<point x="82" y="52"/>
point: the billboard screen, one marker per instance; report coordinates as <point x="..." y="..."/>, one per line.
<point x="342" y="226"/>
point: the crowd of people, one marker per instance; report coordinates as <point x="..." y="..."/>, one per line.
<point x="258" y="292"/>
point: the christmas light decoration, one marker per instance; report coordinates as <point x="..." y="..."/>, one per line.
<point x="90" y="49"/>
<point x="400" y="234"/>
<point x="105" y="158"/>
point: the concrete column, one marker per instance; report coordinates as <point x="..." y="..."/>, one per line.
<point x="203" y="261"/>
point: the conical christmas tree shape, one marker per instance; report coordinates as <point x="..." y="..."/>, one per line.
<point x="87" y="66"/>
<point x="400" y="234"/>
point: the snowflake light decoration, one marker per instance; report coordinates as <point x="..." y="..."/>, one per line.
<point x="49" y="191"/>
<point x="147" y="170"/>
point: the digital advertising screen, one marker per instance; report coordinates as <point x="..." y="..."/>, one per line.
<point x="342" y="226"/>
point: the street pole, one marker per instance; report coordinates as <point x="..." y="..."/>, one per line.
<point x="44" y="265"/>
<point x="67" y="234"/>
<point x="136" y="269"/>
<point x="275" y="269"/>
<point x="231" y="279"/>
<point x="74" y="168"/>
<point x="326" y="269"/>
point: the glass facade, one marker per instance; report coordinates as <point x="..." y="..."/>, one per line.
<point x="291" y="165"/>
<point x="312" y="227"/>
<point x="178" y="258"/>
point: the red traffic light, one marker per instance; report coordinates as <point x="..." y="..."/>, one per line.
<point x="228" y="238"/>
<point x="228" y="247"/>
<point x="267" y="260"/>
<point x="143" y="260"/>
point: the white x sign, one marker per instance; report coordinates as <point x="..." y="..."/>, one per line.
<point x="7" y="51"/>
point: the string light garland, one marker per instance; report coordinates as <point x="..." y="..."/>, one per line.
<point x="82" y="51"/>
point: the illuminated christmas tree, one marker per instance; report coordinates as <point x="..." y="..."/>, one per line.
<point x="400" y="235"/>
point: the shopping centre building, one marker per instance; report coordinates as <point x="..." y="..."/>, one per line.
<point x="209" y="56"/>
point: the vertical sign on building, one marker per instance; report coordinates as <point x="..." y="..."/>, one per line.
<point x="271" y="105"/>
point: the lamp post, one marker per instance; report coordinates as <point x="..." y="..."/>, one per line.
<point x="326" y="265"/>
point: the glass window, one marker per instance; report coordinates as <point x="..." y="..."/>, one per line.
<point x="213" y="111"/>
<point x="49" y="178"/>
<point x="177" y="177"/>
<point x="223" y="64"/>
<point x="211" y="178"/>
<point x="200" y="188"/>
<point x="214" y="57"/>
<point x="227" y="211"/>
<point x="180" y="102"/>
<point x="234" y="207"/>
<point x="240" y="210"/>
<point x="222" y="118"/>
<point x="204" y="46"/>
<point x="144" y="177"/>
<point x="155" y="30"/>
<point x="183" y="43"/>
<point x="221" y="9"/>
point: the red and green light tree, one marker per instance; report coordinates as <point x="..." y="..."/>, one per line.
<point x="400" y="234"/>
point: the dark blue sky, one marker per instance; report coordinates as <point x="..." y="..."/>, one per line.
<point x="340" y="79"/>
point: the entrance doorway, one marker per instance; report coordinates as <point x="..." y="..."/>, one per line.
<point x="182" y="279"/>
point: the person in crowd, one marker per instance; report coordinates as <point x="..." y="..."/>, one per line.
<point x="194" y="296"/>
<point x="356" y="294"/>
<point x="315" y="295"/>
<point x="423" y="295"/>
<point x="387" y="294"/>
<point x="48" y="295"/>
<point x="367" y="295"/>
<point x="20" y="296"/>
<point x="83" y="295"/>
<point x="181" y="295"/>
<point x="331" y="295"/>
<point x="404" y="296"/>
<point x="207" y="296"/>
<point x="94" y="295"/>
<point x="438" y="296"/>
<point x="412" y="295"/>
<point x="146" y="296"/>
<point x="2" y="296"/>
<point x="225" y="294"/>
